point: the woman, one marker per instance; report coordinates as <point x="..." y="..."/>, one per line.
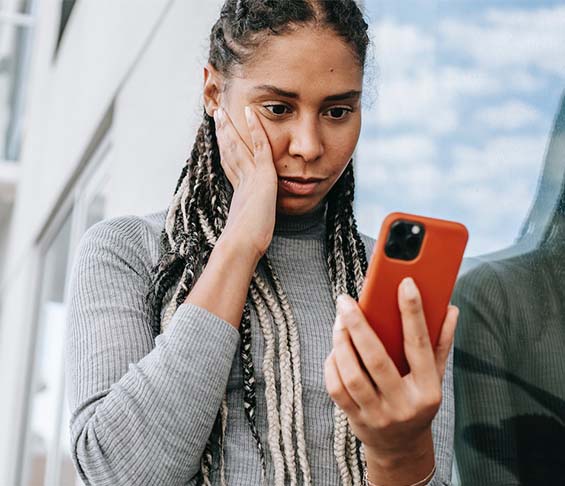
<point x="210" y="358"/>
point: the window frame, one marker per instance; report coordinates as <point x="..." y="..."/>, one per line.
<point x="88" y="185"/>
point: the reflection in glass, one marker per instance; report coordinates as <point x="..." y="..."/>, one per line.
<point x="19" y="6"/>
<point x="95" y="211"/>
<point x="25" y="6"/>
<point x="68" y="475"/>
<point x="509" y="355"/>
<point x="14" y="54"/>
<point x="459" y="98"/>
<point x="46" y="389"/>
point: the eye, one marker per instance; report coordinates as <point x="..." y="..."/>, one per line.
<point x="336" y="113"/>
<point x="339" y="112"/>
<point x="277" y="109"/>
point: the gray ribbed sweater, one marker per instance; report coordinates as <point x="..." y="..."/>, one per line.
<point x="143" y="408"/>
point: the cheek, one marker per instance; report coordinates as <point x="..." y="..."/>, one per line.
<point x="341" y="151"/>
<point x="278" y="140"/>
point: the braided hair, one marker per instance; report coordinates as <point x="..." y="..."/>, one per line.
<point x="195" y="220"/>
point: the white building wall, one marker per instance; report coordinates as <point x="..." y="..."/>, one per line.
<point x="146" y="55"/>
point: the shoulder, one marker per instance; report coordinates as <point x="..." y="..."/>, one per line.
<point x="500" y="277"/>
<point x="133" y="240"/>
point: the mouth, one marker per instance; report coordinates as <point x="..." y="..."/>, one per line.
<point x="299" y="185"/>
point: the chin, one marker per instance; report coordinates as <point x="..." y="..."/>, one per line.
<point x="296" y="206"/>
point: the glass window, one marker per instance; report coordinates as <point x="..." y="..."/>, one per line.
<point x="14" y="60"/>
<point x="46" y="457"/>
<point x="465" y="120"/>
<point x="67" y="475"/>
<point x="47" y="382"/>
<point x="20" y="6"/>
<point x="460" y="101"/>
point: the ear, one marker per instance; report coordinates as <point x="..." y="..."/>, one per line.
<point x="212" y="89"/>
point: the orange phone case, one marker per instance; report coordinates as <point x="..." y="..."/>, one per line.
<point x="434" y="271"/>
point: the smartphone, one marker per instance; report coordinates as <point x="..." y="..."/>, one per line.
<point x="427" y="249"/>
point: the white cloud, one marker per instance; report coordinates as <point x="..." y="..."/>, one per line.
<point x="407" y="164"/>
<point x="501" y="160"/>
<point x="369" y="218"/>
<point x="460" y="81"/>
<point x="415" y="102"/>
<point x="418" y="91"/>
<point x="508" y="116"/>
<point x="511" y="38"/>
<point x="425" y="93"/>
<point x="398" y="149"/>
<point x="401" y="48"/>
<point x="409" y="87"/>
<point x="490" y="187"/>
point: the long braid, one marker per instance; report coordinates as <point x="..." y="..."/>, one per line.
<point x="358" y="259"/>
<point x="270" y="386"/>
<point x="250" y="400"/>
<point x="296" y="375"/>
<point x="344" y="263"/>
<point x="196" y="218"/>
<point x="286" y="385"/>
<point x="338" y="270"/>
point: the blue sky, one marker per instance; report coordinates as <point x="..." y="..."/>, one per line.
<point x="460" y="99"/>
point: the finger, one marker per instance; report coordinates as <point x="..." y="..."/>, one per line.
<point x="335" y="387"/>
<point x="374" y="357"/>
<point x="417" y="345"/>
<point x="225" y="162"/>
<point x="232" y="147"/>
<point x="261" y="147"/>
<point x="356" y="381"/>
<point x="445" y="340"/>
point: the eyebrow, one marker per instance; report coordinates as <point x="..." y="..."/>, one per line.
<point x="289" y="94"/>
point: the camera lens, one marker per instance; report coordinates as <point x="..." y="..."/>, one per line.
<point x="412" y="243"/>
<point x="392" y="249"/>
<point x="398" y="229"/>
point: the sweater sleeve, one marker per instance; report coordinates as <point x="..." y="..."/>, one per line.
<point x="443" y="427"/>
<point x="141" y="409"/>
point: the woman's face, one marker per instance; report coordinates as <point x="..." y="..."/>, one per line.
<point x="306" y="89"/>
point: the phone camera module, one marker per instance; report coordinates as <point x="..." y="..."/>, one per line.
<point x="404" y="240"/>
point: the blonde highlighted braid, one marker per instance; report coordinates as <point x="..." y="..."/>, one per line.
<point x="195" y="220"/>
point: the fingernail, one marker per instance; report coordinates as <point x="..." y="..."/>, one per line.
<point x="342" y="304"/>
<point x="409" y="288"/>
<point x="248" y="114"/>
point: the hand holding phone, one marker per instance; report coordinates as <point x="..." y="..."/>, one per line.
<point x="429" y="251"/>
<point x="391" y="413"/>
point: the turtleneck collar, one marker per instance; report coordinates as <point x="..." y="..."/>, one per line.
<point x="311" y="225"/>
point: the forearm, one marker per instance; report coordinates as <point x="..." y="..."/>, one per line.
<point x="223" y="285"/>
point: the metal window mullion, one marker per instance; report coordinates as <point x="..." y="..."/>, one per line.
<point x="16" y="19"/>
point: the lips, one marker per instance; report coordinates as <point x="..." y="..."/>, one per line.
<point x="298" y="185"/>
<point x="301" y="179"/>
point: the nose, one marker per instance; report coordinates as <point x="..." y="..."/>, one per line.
<point x="306" y="140"/>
